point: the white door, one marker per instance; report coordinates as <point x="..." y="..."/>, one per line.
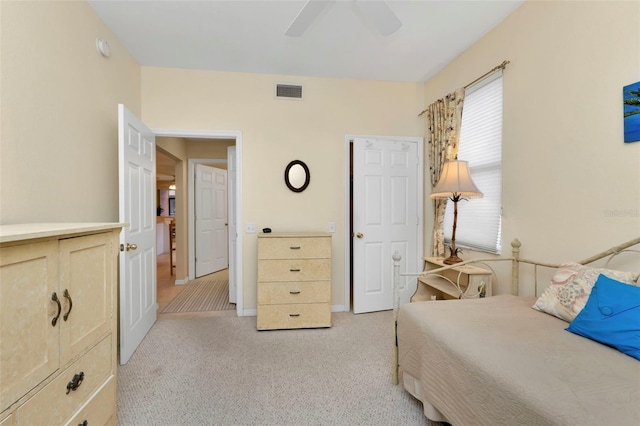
<point x="137" y="176"/>
<point x="212" y="251"/>
<point x="233" y="229"/>
<point x="385" y="219"/>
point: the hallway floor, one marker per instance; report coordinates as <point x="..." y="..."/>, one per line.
<point x="167" y="290"/>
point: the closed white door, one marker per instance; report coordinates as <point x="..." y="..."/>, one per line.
<point x="212" y="251"/>
<point x="385" y="219"/>
<point x="137" y="196"/>
<point x="233" y="229"/>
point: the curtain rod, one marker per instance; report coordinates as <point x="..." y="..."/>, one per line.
<point x="502" y="66"/>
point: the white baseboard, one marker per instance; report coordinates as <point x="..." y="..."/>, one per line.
<point x="182" y="282"/>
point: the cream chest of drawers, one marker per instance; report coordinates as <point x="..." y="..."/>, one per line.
<point x="58" y="330"/>
<point x="294" y="280"/>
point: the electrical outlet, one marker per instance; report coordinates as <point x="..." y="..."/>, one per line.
<point x="251" y="228"/>
<point x="332" y="227"/>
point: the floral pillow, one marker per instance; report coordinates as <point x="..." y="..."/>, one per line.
<point x="571" y="286"/>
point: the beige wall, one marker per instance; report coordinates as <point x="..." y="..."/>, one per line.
<point x="274" y="132"/>
<point x="571" y="187"/>
<point x="59" y="140"/>
<point x="209" y="149"/>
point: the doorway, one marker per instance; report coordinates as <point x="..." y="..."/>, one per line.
<point x="166" y="254"/>
<point x="188" y="227"/>
<point x="384" y="192"/>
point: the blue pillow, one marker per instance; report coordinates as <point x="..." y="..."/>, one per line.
<point x="611" y="316"/>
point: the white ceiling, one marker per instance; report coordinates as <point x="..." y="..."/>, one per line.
<point x="249" y="36"/>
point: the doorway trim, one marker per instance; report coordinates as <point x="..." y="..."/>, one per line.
<point x="215" y="134"/>
<point x="348" y="139"/>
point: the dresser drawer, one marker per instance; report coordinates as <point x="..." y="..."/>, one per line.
<point x="53" y="405"/>
<point x="294" y="270"/>
<point x="271" y="293"/>
<point x="100" y="409"/>
<point x="294" y="248"/>
<point x="300" y="315"/>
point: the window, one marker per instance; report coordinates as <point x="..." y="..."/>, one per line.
<point x="480" y="219"/>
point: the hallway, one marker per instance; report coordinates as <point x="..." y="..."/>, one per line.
<point x="167" y="291"/>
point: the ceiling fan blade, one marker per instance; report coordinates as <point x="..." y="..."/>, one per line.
<point x="309" y="12"/>
<point x="379" y="12"/>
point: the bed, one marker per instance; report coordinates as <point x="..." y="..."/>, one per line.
<point x="496" y="360"/>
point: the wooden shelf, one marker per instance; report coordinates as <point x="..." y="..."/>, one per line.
<point x="437" y="287"/>
<point x="466" y="269"/>
<point x="441" y="285"/>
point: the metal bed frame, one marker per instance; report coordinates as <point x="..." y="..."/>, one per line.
<point x="515" y="260"/>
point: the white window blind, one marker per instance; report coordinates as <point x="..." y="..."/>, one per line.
<point x="480" y="219"/>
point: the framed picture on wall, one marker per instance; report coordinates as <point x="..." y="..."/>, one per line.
<point x="631" y="104"/>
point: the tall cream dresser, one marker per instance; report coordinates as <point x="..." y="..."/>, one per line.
<point x="58" y="324"/>
<point x="294" y="280"/>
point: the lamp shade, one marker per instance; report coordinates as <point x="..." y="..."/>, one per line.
<point x="455" y="179"/>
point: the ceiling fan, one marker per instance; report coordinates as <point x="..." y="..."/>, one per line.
<point x="378" y="12"/>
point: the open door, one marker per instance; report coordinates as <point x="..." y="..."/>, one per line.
<point x="137" y="187"/>
<point x="386" y="218"/>
<point x="212" y="251"/>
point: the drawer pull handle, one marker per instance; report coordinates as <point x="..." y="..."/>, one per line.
<point x="295" y="292"/>
<point x="75" y="382"/>
<point x="85" y="423"/>
<point x="294" y="269"/>
<point x="295" y="247"/>
<point x="68" y="296"/>
<point x="294" y="315"/>
<point x="54" y="297"/>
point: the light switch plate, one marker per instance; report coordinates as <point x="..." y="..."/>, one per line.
<point x="332" y="227"/>
<point x="251" y="228"/>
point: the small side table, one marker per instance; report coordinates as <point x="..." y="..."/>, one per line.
<point x="472" y="280"/>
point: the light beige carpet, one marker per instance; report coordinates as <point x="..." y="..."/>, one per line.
<point x="221" y="371"/>
<point x="200" y="296"/>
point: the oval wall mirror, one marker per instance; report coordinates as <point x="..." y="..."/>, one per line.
<point x="297" y="176"/>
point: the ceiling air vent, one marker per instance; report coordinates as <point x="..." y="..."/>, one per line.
<point x="288" y="91"/>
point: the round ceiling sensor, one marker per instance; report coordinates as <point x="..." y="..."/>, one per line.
<point x="103" y="47"/>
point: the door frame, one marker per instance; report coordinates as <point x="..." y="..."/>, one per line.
<point x="214" y="134"/>
<point x="348" y="139"/>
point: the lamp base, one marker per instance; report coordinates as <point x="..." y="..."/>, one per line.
<point x="452" y="260"/>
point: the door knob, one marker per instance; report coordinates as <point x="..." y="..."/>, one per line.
<point x="131" y="246"/>
<point x="359" y="235"/>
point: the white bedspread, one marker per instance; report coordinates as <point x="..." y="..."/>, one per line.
<point x="497" y="361"/>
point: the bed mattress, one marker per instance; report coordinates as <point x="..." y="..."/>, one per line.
<point x="498" y="361"/>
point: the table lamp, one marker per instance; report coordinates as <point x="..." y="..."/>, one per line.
<point x="455" y="184"/>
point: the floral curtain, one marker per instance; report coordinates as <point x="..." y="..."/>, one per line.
<point x="443" y="129"/>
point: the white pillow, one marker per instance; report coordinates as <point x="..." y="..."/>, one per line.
<point x="571" y="286"/>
